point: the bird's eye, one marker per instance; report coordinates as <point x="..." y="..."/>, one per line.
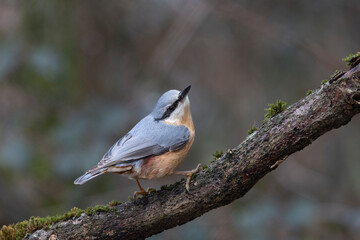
<point x="172" y="108"/>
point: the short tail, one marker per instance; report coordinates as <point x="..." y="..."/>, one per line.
<point x="90" y="175"/>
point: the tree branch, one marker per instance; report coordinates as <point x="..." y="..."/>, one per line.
<point x="227" y="178"/>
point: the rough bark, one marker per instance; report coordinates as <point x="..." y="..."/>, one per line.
<point x="228" y="178"/>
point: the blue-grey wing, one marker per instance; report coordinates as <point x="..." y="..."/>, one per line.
<point x="147" y="138"/>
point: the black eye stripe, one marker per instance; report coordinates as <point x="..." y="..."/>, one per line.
<point x="169" y="110"/>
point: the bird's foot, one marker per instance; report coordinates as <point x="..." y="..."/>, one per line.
<point x="188" y="175"/>
<point x="142" y="192"/>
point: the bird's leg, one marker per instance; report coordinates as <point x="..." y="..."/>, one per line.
<point x="188" y="175"/>
<point x="142" y="192"/>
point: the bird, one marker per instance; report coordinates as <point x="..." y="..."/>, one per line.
<point x="155" y="146"/>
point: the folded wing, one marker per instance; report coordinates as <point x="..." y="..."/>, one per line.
<point x="147" y="138"/>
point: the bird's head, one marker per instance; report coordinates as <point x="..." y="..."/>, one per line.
<point x="172" y="105"/>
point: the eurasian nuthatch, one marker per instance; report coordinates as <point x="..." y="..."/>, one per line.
<point x="155" y="146"/>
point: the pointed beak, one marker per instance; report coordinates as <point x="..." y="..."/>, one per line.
<point x="184" y="92"/>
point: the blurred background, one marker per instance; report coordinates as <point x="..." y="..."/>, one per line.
<point x="77" y="75"/>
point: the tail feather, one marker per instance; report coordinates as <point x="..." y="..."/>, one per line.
<point x="90" y="175"/>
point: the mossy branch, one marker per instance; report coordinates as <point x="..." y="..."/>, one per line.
<point x="352" y="59"/>
<point x="226" y="179"/>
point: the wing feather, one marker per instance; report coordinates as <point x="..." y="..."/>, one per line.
<point x="147" y="138"/>
<point x="119" y="143"/>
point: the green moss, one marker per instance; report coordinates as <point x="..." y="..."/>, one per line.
<point x="179" y="182"/>
<point x="324" y="81"/>
<point x="309" y="92"/>
<point x="152" y="190"/>
<point x="172" y="186"/>
<point x="98" y="208"/>
<point x="217" y="155"/>
<point x="252" y="130"/>
<point x="334" y="74"/>
<point x="274" y="109"/>
<point x="164" y="187"/>
<point x="204" y="167"/>
<point x="114" y="203"/>
<point x="21" y="229"/>
<point x="348" y="60"/>
<point x="167" y="187"/>
<point x="193" y="176"/>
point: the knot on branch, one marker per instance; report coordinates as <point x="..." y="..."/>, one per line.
<point x="355" y="98"/>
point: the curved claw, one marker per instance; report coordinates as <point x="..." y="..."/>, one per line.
<point x="143" y="193"/>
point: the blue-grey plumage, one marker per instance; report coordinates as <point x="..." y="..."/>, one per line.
<point x="155" y="146"/>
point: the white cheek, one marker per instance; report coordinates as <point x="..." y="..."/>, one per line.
<point x="179" y="111"/>
<point x="176" y="115"/>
